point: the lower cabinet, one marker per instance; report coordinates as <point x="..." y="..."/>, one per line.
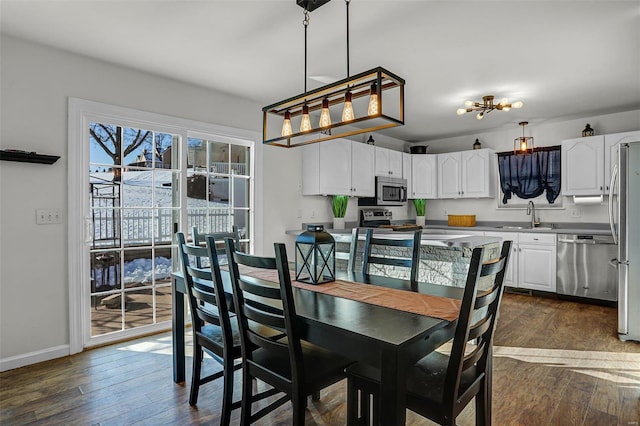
<point x="532" y="264"/>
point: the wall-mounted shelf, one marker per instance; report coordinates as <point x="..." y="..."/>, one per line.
<point x="27" y="157"/>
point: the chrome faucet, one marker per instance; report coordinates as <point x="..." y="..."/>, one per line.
<point x="531" y="210"/>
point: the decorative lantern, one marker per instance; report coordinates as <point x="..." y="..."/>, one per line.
<point x="477" y="145"/>
<point x="588" y="131"/>
<point x="315" y="256"/>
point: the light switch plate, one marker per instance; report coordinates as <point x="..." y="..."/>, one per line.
<point x="48" y="216"/>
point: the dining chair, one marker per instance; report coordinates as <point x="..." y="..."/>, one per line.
<point x="214" y="330"/>
<point x="348" y="256"/>
<point x="286" y="363"/>
<point x="199" y="239"/>
<point x="439" y="386"/>
<point x="386" y="253"/>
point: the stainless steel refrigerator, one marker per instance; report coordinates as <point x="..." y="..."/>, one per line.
<point x="627" y="233"/>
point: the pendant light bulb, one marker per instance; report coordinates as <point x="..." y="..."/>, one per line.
<point x="523" y="144"/>
<point x="480" y="116"/>
<point x="305" y="124"/>
<point x="325" y="117"/>
<point x="374" y="106"/>
<point x="287" y="130"/>
<point x="347" y="112"/>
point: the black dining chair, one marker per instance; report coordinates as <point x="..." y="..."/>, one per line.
<point x="214" y="330"/>
<point x="199" y="239"/>
<point x="350" y="241"/>
<point x="286" y="363"/>
<point x="386" y="252"/>
<point x="440" y="386"/>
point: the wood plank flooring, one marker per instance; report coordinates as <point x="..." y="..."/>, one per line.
<point x="556" y="363"/>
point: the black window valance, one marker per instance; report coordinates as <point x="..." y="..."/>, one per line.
<point x="530" y="175"/>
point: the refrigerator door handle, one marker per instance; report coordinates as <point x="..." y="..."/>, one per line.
<point x="614" y="176"/>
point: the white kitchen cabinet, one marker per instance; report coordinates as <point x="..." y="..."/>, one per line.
<point x="407" y="170"/>
<point x="511" y="274"/>
<point x="587" y="162"/>
<point x="388" y="162"/>
<point x="583" y="166"/>
<point x="424" y="176"/>
<point x="466" y="174"/>
<point x="537" y="261"/>
<point x="338" y="167"/>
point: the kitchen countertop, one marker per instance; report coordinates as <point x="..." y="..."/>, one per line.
<point x="434" y="227"/>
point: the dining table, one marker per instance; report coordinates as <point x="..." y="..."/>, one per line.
<point x="390" y="339"/>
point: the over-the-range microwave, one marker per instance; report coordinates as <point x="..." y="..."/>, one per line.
<point x="389" y="192"/>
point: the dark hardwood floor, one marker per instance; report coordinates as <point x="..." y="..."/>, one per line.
<point x="556" y="363"/>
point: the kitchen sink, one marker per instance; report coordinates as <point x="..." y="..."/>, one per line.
<point x="512" y="227"/>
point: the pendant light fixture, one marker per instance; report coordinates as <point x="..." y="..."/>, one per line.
<point x="523" y="144"/>
<point x="350" y="95"/>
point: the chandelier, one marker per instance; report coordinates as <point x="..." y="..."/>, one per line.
<point x="524" y="143"/>
<point x="487" y="105"/>
<point x="365" y="102"/>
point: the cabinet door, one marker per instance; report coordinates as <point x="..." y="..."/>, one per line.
<point x="477" y="173"/>
<point x="406" y="171"/>
<point x="537" y="267"/>
<point x="395" y="164"/>
<point x="382" y="161"/>
<point x="424" y="168"/>
<point x="311" y="169"/>
<point x="511" y="274"/>
<point x="362" y="170"/>
<point x="335" y="167"/>
<point x="583" y="166"/>
<point x="611" y="145"/>
<point x="449" y="175"/>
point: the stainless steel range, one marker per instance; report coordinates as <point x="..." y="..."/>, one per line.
<point x="375" y="217"/>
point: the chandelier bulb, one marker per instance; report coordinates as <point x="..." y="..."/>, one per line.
<point x="504" y="101"/>
<point x="468" y="104"/>
<point x="287" y="130"/>
<point x="325" y="117"/>
<point x="373" y="100"/>
<point x="506" y="107"/>
<point x="517" y="104"/>
<point x="347" y="112"/>
<point x="305" y="124"/>
<point x="480" y="115"/>
<point x="461" y="111"/>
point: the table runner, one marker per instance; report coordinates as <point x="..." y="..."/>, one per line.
<point x="402" y="300"/>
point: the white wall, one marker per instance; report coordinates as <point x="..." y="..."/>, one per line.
<point x="36" y="82"/>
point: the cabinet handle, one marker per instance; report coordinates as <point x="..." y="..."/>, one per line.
<point x="600" y="187"/>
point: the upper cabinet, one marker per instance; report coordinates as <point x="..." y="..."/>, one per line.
<point x="407" y="170"/>
<point x="466" y="174"/>
<point x="338" y="167"/>
<point x="388" y="162"/>
<point x="587" y="162"/>
<point x="424" y="176"/>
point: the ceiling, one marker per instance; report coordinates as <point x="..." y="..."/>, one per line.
<point x="563" y="59"/>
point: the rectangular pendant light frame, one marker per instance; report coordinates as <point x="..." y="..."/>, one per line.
<point x="359" y="85"/>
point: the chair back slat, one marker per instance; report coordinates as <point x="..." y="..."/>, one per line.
<point x="411" y="262"/>
<point x="269" y="319"/>
<point x="475" y="327"/>
<point x="254" y="286"/>
<point x="200" y="238"/>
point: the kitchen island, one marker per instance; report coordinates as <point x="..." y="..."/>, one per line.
<point x="444" y="259"/>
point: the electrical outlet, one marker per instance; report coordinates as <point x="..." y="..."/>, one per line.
<point x="48" y="216"/>
<point x="575" y="212"/>
<point x="313" y="213"/>
<point x="445" y="212"/>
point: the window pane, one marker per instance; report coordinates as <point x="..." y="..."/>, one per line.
<point x="163" y="303"/>
<point x="240" y="160"/>
<point x="240" y="192"/>
<point x="196" y="154"/>
<point x="163" y="188"/>
<point x="105" y="273"/>
<point x="138" y="268"/>
<point x="219" y="157"/>
<point x="138" y="146"/>
<point x="105" y="147"/>
<point x="163" y="224"/>
<point x="137" y="188"/>
<point x="138" y="308"/>
<point x="164" y="143"/>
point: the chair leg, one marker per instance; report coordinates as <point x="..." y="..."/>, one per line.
<point x="299" y="408"/>
<point x="196" y="370"/>
<point x="247" y="396"/>
<point x="483" y="413"/>
<point x="352" y="402"/>
<point x="227" y="392"/>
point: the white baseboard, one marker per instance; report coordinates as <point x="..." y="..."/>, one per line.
<point x="18" y="361"/>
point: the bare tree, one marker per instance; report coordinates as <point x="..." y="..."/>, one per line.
<point x="109" y="138"/>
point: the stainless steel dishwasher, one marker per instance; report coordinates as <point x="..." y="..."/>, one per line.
<point x="585" y="267"/>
